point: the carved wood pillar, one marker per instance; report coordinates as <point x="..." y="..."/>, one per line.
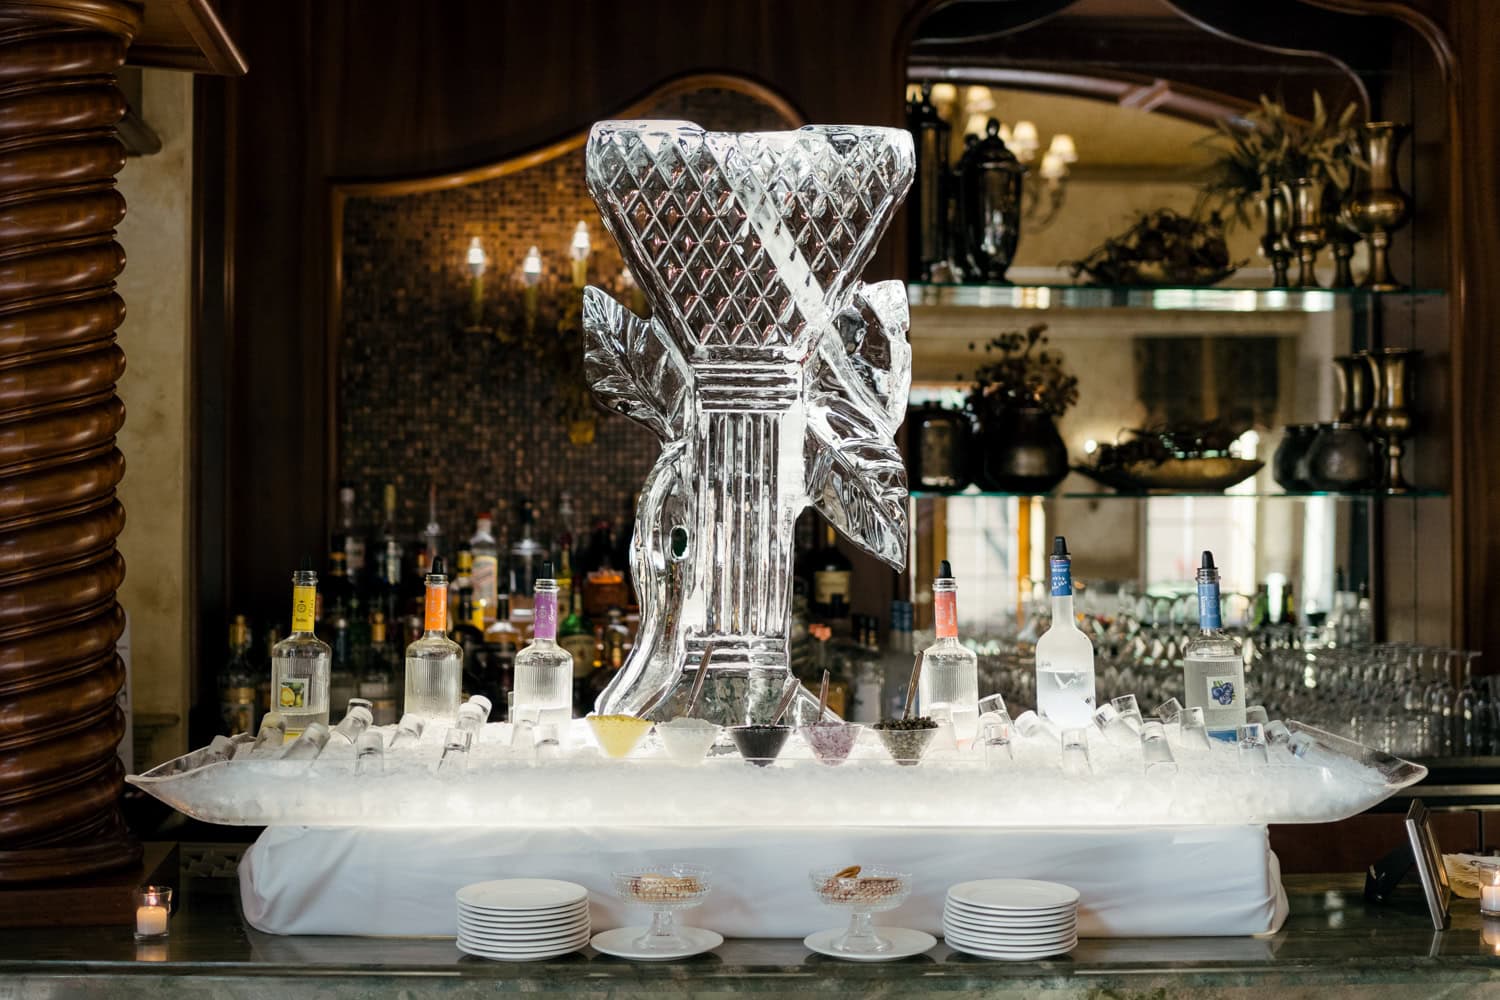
<point x="60" y="781"/>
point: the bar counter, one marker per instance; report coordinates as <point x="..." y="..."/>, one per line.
<point x="1333" y="944"/>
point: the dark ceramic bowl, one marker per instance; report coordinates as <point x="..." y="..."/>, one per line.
<point x="759" y="744"/>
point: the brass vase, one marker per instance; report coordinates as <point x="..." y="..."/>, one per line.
<point x="1390" y="418"/>
<point x="1356" y="391"/>
<point x="1273" y="243"/>
<point x="1341" y="239"/>
<point x="1377" y="206"/>
<point x="1306" y="232"/>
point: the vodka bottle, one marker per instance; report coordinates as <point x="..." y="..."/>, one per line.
<point x="237" y="682"/>
<point x="301" y="663"/>
<point x="434" y="663"/>
<point x="949" y="682"/>
<point x="544" y="670"/>
<point x="1213" y="669"/>
<point x="1064" y="655"/>
<point x="486" y="571"/>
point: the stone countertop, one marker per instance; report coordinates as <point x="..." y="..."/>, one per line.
<point x="1333" y="943"/>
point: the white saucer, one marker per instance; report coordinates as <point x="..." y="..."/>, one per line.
<point x="510" y="895"/>
<point x="550" y="950"/>
<point x="510" y="934"/>
<point x="619" y="941"/>
<point x="973" y="923"/>
<point x="1022" y="895"/>
<point x="546" y="920"/>
<point x="904" y="944"/>
<point x="1011" y="919"/>
<point x="1005" y="934"/>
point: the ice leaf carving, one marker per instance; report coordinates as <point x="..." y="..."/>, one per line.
<point x="855" y="476"/>
<point x="872" y="336"/>
<point x="634" y="367"/>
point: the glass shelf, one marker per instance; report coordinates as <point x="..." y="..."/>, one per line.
<point x="1268" y="495"/>
<point x="1217" y="299"/>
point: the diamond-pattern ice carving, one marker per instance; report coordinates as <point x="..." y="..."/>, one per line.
<point x="773" y="377"/>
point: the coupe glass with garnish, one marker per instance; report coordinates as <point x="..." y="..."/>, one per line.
<point x="863" y="891"/>
<point x="665" y="889"/>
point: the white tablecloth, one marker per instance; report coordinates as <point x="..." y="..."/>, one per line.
<point x="401" y="880"/>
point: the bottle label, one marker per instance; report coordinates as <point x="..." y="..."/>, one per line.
<point x="1062" y="578"/>
<point x="292" y="693"/>
<point x="304" y="608"/>
<point x="829" y="584"/>
<point x="1223" y="690"/>
<point x="436" y="617"/>
<point x="544" y="625"/>
<point x="486" y="578"/>
<point x="945" y="612"/>
<point x="1208" y="605"/>
<point x="581" y="648"/>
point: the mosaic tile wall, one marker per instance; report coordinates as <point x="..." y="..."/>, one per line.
<point x="424" y="399"/>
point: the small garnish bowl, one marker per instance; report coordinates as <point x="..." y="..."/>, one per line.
<point x="760" y="744"/>
<point x="832" y="742"/>
<point x="619" y="735"/>
<point x="686" y="740"/>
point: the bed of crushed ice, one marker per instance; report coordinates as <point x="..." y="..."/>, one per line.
<point x="504" y="784"/>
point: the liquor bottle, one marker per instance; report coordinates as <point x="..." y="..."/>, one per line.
<point x="378" y="680"/>
<point x="348" y="539"/>
<point x="486" y="571"/>
<point x="949" y="682"/>
<point x="301" y="663"/>
<point x="389" y="537"/>
<point x="1213" y="669"/>
<point x="896" y="661"/>
<point x="544" y="670"/>
<point x="565" y="578"/>
<point x="461" y="587"/>
<point x="434" y="663"/>
<point x="432" y="535"/>
<point x="831" y="576"/>
<point x="263" y="699"/>
<point x="1288" y="606"/>
<point x="237" y="682"/>
<point x="343" y="684"/>
<point x="526" y="557"/>
<point x="866" y="686"/>
<point x="1064" y="654"/>
<point x="576" y="636"/>
<point x="502" y="640"/>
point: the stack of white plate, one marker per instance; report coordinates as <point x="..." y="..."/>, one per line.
<point x="1011" y="918"/>
<point x="522" y="919"/>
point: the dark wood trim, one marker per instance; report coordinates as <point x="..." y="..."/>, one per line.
<point x="187" y="35"/>
<point x="339" y="192"/>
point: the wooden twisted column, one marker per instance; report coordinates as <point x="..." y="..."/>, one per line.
<point x="60" y="781"/>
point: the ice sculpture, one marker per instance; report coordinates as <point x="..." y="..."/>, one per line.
<point x="773" y="376"/>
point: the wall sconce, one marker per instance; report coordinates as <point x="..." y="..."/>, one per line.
<point x="579" y="250"/>
<point x="476" y="263"/>
<point x="531" y="276"/>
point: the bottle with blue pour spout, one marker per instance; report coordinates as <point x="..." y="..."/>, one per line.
<point x="1213" y="667"/>
<point x="1064" y="654"/>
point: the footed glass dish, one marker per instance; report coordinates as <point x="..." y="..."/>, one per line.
<point x="1313" y="778"/>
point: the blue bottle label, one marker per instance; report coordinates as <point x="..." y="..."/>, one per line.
<point x="1208" y="605"/>
<point x="1062" y="578"/>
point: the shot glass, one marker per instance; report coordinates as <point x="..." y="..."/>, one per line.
<point x="1128" y="710"/>
<point x="1277" y="734"/>
<point x="1251" y="738"/>
<point x="307" y="746"/>
<point x="1156" y="751"/>
<point x="1194" y="734"/>
<point x="369" y="753"/>
<point x="408" y="731"/>
<point x="455" y="757"/>
<point x="271" y="736"/>
<point x="1033" y="726"/>
<point x="998" y="745"/>
<point x="364" y="703"/>
<point x="1107" y="720"/>
<point x="1169" y="711"/>
<point x="993" y="703"/>
<point x="471" y="719"/>
<point x="1075" y="752"/>
<point x="1257" y="713"/>
<point x="354" y="723"/>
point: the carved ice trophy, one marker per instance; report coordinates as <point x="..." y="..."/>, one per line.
<point x="774" y="378"/>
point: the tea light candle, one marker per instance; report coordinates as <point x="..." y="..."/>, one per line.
<point x="153" y="905"/>
<point x="1489" y="887"/>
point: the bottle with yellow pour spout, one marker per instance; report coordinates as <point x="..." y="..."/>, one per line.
<point x="300" y="663"/>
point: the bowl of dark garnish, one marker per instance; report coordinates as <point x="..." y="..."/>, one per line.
<point x="759" y="744"/>
<point x="906" y="740"/>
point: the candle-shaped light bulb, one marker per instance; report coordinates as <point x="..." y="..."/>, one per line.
<point x="1062" y="145"/>
<point x="531" y="267"/>
<point x="944" y="93"/>
<point x="976" y="123"/>
<point x="579" y="250"/>
<point x="1023" y="140"/>
<point x="477" y="259"/>
<point x="1053" y="168"/>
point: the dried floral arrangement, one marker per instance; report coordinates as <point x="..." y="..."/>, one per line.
<point x="1161" y="248"/>
<point x="1025" y="372"/>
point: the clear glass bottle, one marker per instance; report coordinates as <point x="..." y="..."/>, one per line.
<point x="1213" y="667"/>
<point x="434" y="663"/>
<point x="544" y="670"/>
<point x="485" y="573"/>
<point x="348" y="539"/>
<point x="301" y="663"/>
<point x="1064" y="654"/>
<point x="237" y="682"/>
<point x="896" y="661"/>
<point x="526" y="557"/>
<point x="949" y="682"/>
